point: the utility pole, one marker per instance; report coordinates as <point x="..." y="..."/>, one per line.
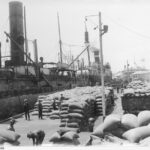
<point x="101" y="66"/>
<point x="60" y="42"/>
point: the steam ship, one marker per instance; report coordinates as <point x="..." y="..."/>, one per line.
<point x="21" y="77"/>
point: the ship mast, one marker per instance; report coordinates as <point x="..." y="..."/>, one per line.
<point x="60" y="42"/>
<point x="25" y="34"/>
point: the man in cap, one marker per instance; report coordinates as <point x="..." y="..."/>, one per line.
<point x="91" y="124"/>
<point x="26" y="109"/>
<point x="40" y="107"/>
<point x="11" y="124"/>
<point x="61" y="101"/>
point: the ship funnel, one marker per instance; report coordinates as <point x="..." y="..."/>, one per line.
<point x="16" y="32"/>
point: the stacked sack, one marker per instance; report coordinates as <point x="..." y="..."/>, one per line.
<point x="98" y="103"/>
<point x="54" y="114"/>
<point x="76" y="112"/>
<point x="65" y="137"/>
<point x="76" y="115"/>
<point x="7" y="136"/>
<point x="47" y="106"/>
<point x="64" y="114"/>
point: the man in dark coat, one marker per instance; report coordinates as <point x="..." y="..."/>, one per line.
<point x="26" y="109"/>
<point x="40" y="107"/>
<point x="36" y="136"/>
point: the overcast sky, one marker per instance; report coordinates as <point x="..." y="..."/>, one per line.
<point x="128" y="37"/>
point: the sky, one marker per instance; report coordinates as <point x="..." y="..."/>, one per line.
<point x="127" y="39"/>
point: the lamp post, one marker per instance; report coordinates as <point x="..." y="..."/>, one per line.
<point x="102" y="31"/>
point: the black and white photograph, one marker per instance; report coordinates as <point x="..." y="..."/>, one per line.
<point x="74" y="73"/>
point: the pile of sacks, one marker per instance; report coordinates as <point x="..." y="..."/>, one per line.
<point x="127" y="128"/>
<point x="87" y="97"/>
<point x="46" y="103"/>
<point x="54" y="114"/>
<point x="134" y="100"/>
<point x="98" y="105"/>
<point x="76" y="112"/>
<point x="9" y="137"/>
<point x="136" y="84"/>
<point x="65" y="136"/>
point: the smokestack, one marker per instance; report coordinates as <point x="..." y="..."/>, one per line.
<point x="16" y="32"/>
<point x="35" y="52"/>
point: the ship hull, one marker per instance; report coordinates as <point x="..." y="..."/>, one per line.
<point x="11" y="106"/>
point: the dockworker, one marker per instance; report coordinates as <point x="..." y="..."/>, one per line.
<point x="40" y="107"/>
<point x="26" y="109"/>
<point x="54" y="104"/>
<point x="61" y="101"/>
<point x="36" y="136"/>
<point x="11" y="124"/>
<point x="89" y="141"/>
<point x="91" y="124"/>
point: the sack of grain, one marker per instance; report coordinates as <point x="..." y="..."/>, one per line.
<point x="112" y="122"/>
<point x="47" y="114"/>
<point x="63" y="124"/>
<point x="145" y="142"/>
<point x="73" y="125"/>
<point x="55" y="137"/>
<point x="64" y="108"/>
<point x="63" y="112"/>
<point x="129" y="121"/>
<point x="56" y="112"/>
<point x="54" y="117"/>
<point x="35" y="113"/>
<point x="63" y="130"/>
<point x="99" y="131"/>
<point x="16" y="143"/>
<point x="98" y="96"/>
<point x="70" y="136"/>
<point x="2" y="140"/>
<point x="118" y="132"/>
<point x="74" y="120"/>
<point x="64" y="116"/>
<point x="10" y="136"/>
<point x="76" y="111"/>
<point x="45" y="110"/>
<point x="64" y="105"/>
<point x="75" y="115"/>
<point x="64" y="120"/>
<point x="98" y="103"/>
<point x="137" y="134"/>
<point x="144" y="118"/>
<point x="75" y="106"/>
